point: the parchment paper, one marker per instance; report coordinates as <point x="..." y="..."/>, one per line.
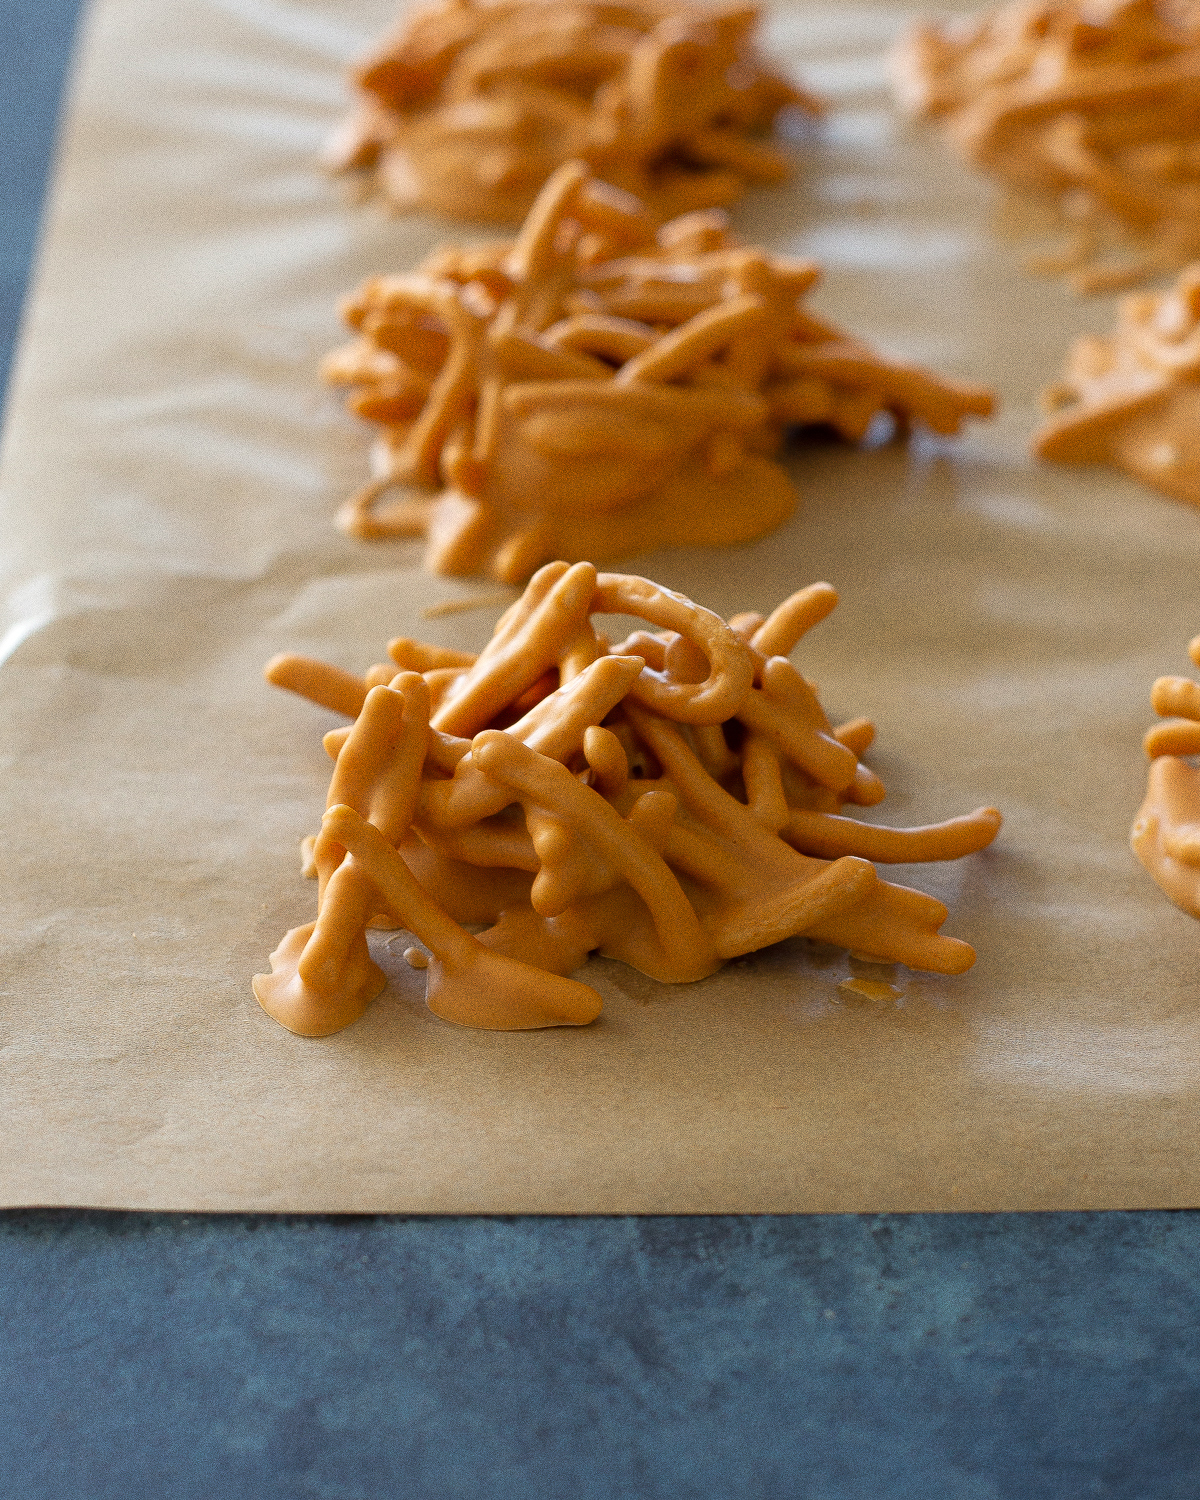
<point x="170" y="472"/>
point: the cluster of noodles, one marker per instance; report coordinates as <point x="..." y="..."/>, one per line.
<point x="1166" y="831"/>
<point x="1089" y="105"/>
<point x="600" y="386"/>
<point x="672" y="801"/>
<point x="1134" y="399"/>
<point x="472" y="104"/>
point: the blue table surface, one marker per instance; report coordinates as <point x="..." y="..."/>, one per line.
<point x="975" y="1357"/>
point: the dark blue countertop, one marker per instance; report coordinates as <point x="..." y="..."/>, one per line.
<point x="973" y="1357"/>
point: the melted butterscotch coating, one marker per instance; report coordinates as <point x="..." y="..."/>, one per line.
<point x="470" y="107"/>
<point x="672" y="801"/>
<point x="1088" y="104"/>
<point x="1133" y="400"/>
<point x="1166" y="831"/>
<point x="599" y="387"/>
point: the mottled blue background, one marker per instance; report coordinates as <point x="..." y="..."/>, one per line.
<point x="976" y="1357"/>
<point x="971" y="1357"/>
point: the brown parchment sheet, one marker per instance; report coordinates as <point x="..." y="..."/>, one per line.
<point x="170" y="472"/>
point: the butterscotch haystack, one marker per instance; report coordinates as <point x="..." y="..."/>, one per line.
<point x="599" y="386"/>
<point x="1134" y="399"/>
<point x="1166" y="831"/>
<point x="672" y="801"/>
<point x="470" y="106"/>
<point x="1092" y="106"/>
